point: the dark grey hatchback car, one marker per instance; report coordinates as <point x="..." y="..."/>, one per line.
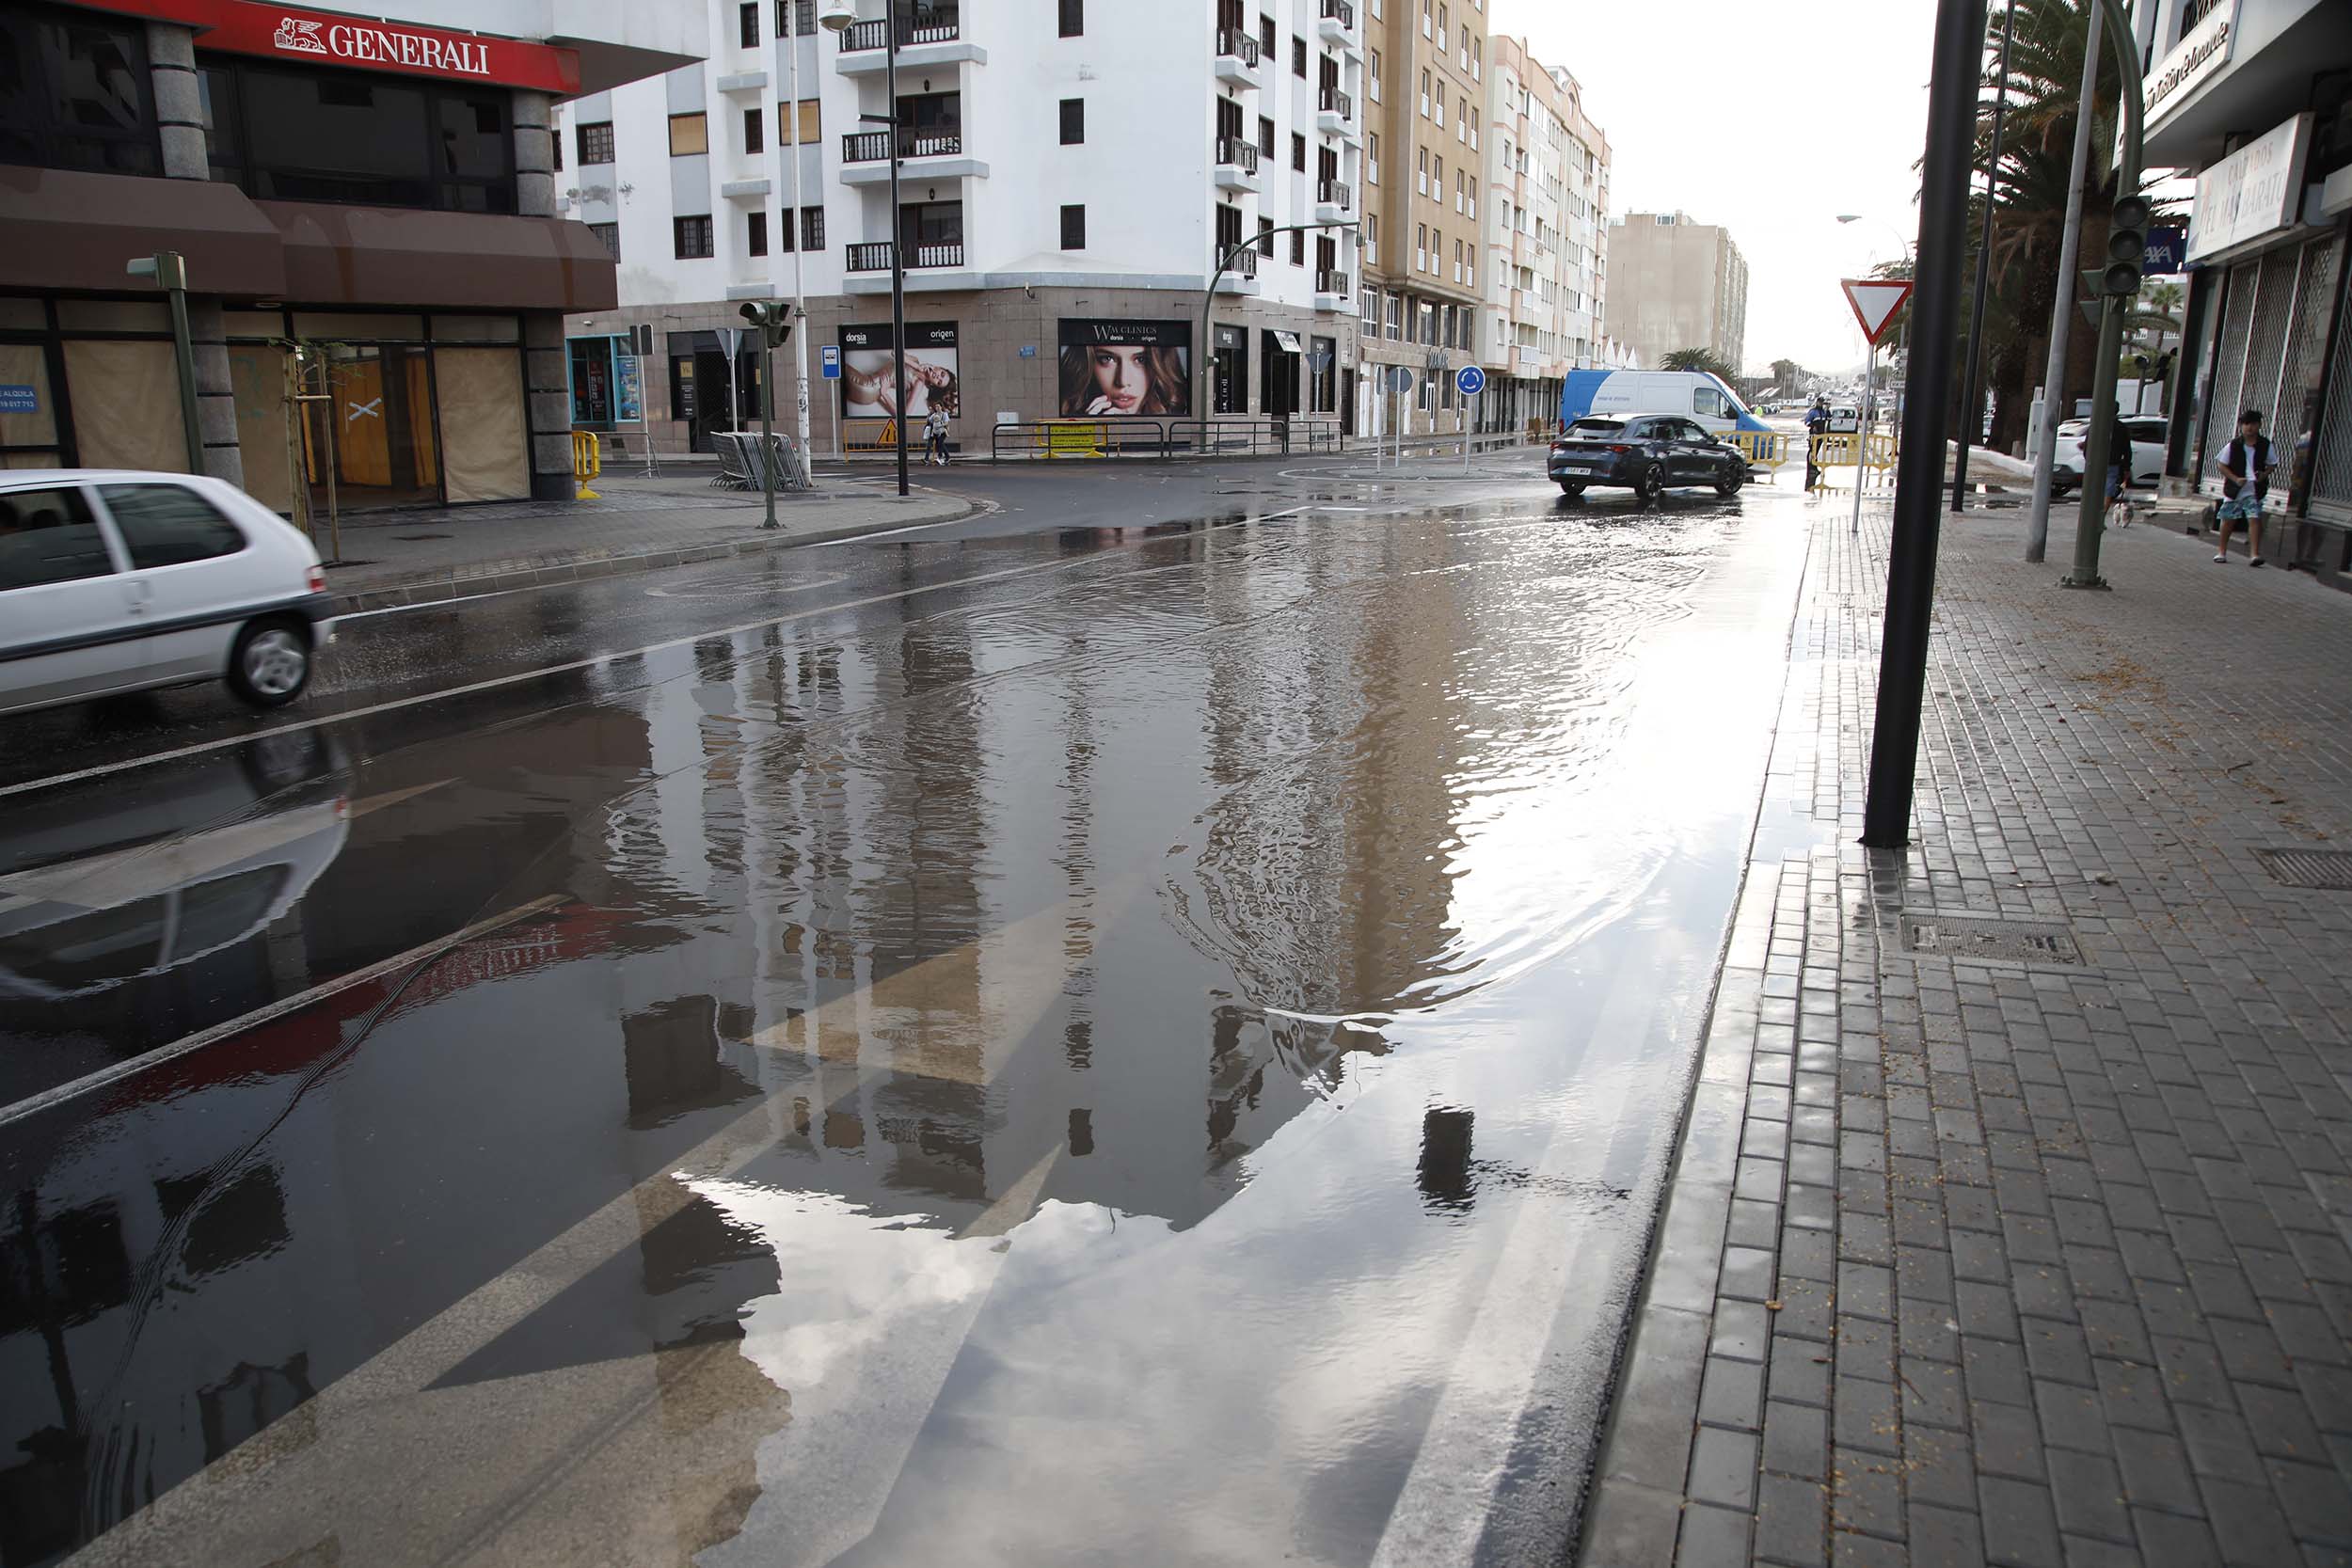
<point x="1644" y="453"/>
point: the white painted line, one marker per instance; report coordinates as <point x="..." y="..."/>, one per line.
<point x="436" y="604"/>
<point x="279" y="1008"/>
<point x="202" y="747"/>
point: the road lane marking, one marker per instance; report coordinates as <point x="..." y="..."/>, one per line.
<point x="202" y="747"/>
<point x="436" y="604"/>
<point x="117" y="1070"/>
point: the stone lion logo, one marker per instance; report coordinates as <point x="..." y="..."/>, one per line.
<point x="301" y="37"/>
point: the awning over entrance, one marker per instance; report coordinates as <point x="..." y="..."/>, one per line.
<point x="455" y="261"/>
<point x="69" y="230"/>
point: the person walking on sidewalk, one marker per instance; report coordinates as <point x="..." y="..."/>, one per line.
<point x="1815" y="426"/>
<point x="2118" y="473"/>
<point x="935" y="437"/>
<point x="2245" y="466"/>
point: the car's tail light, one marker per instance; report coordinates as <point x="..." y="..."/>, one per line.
<point x="1615" y="446"/>
<point x="318" y="579"/>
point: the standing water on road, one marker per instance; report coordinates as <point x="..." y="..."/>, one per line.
<point x="1163" y="1055"/>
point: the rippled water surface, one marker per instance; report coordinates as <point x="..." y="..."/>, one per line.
<point x="1121" y="1049"/>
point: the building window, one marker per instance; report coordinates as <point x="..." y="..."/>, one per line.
<point x="596" y="142"/>
<point x="1299" y="153"/>
<point x="289" y="135"/>
<point x="747" y="23"/>
<point x="75" y="93"/>
<point x="1372" y="159"/>
<point x="1074" y="227"/>
<point x="807" y="125"/>
<point x="1265" y="238"/>
<point x="1265" y="138"/>
<point x="754" y="233"/>
<point x="1266" y="37"/>
<point x="692" y="236"/>
<point x="610" y="235"/>
<point x="1298" y="247"/>
<point x="1374" y="85"/>
<point x="1424" y="94"/>
<point x="1299" y="57"/>
<point x="689" y="134"/>
<point x="812" y="229"/>
<point x="1073" y="18"/>
<point x="797" y="18"/>
<point x="1073" y="122"/>
<point x="1368" y="309"/>
<point x="1396" y="317"/>
<point x="755" y="137"/>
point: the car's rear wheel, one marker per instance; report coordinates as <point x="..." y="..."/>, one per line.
<point x="1572" y="488"/>
<point x="1649" y="481"/>
<point x="271" y="662"/>
<point x="1729" y="484"/>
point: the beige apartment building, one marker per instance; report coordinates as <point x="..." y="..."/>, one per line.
<point x="1426" y="88"/>
<point x="1678" y="284"/>
<point x="1546" y="233"/>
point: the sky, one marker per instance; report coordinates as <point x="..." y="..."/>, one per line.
<point x="1769" y="117"/>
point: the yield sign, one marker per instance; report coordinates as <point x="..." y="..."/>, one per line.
<point x="1875" y="300"/>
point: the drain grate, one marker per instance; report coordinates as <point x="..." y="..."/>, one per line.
<point x="1990" y="938"/>
<point x="2329" y="869"/>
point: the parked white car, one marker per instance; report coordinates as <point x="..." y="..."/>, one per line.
<point x="113" y="580"/>
<point x="2066" y="453"/>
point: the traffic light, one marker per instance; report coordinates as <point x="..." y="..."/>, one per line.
<point x="2127" y="243"/>
<point x="773" y="317"/>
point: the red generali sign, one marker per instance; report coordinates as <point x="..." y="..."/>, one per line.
<point x="365" y="43"/>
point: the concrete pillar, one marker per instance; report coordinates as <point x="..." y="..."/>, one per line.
<point x="546" y="393"/>
<point x="179" y="106"/>
<point x="534" y="156"/>
<point x="215" y="397"/>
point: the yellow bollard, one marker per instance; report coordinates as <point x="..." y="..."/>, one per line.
<point x="587" y="461"/>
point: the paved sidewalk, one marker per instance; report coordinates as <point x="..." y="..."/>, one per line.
<point x="638" y="524"/>
<point x="2035" y="1263"/>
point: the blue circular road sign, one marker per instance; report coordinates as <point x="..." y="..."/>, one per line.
<point x="1472" y="380"/>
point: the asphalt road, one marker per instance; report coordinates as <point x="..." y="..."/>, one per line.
<point x="1144" y="1027"/>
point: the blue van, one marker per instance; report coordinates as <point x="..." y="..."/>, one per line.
<point x="1690" y="394"/>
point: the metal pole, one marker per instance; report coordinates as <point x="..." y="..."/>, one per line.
<point x="799" y="296"/>
<point x="2090" y="522"/>
<point x="1919" y="467"/>
<point x="768" y="417"/>
<point x="898" y="243"/>
<point x="2063" y="307"/>
<point x="1971" y="414"/>
<point x="172" y="271"/>
<point x="1862" y="427"/>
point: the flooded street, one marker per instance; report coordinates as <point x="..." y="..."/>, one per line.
<point x="1083" y="1046"/>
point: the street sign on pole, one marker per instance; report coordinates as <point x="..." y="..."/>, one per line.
<point x="1875" y="301"/>
<point x="829" y="364"/>
<point x="1470" y="381"/>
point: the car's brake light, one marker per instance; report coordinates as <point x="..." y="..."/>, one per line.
<point x="318" y="579"/>
<point x="1613" y="446"/>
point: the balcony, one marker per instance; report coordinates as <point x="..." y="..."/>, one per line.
<point x="1337" y="22"/>
<point x="1237" y="57"/>
<point x="1335" y="113"/>
<point x="1240" y="272"/>
<point x="929" y="35"/>
<point x="874" y="256"/>
<point x="1334" y="201"/>
<point x="1331" y="291"/>
<point x="1238" y="164"/>
<point x="925" y="152"/>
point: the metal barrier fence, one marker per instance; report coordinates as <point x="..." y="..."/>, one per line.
<point x="1048" y="439"/>
<point x="1879" y="450"/>
<point x="741" y="467"/>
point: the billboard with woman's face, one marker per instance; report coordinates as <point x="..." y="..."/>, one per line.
<point x="1111" y="368"/>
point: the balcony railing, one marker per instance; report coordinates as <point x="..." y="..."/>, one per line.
<point x="874" y="255"/>
<point x="1233" y="41"/>
<point x="1233" y="151"/>
<point x="1243" y="262"/>
<point x="1339" y="11"/>
<point x="933" y="24"/>
<point x="1333" y="100"/>
<point x="915" y="141"/>
<point x="1327" y="282"/>
<point x="1331" y="193"/>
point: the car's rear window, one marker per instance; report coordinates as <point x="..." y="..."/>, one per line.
<point x="1596" y="427"/>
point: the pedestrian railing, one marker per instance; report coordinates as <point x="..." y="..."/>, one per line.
<point x="1230" y="436"/>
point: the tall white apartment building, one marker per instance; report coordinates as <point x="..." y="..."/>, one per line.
<point x="1546" y="233"/>
<point x="1071" y="172"/>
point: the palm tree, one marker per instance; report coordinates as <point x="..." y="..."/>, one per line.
<point x="1704" y="359"/>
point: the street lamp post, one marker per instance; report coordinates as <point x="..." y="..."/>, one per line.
<point x="1971" y="414"/>
<point x="1208" y="298"/>
<point x="839" y="15"/>
<point x="169" y="270"/>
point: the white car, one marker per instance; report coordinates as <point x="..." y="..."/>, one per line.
<point x="2066" y="453"/>
<point x="113" y="580"/>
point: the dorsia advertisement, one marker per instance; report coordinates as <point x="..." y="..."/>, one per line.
<point x="868" y="387"/>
